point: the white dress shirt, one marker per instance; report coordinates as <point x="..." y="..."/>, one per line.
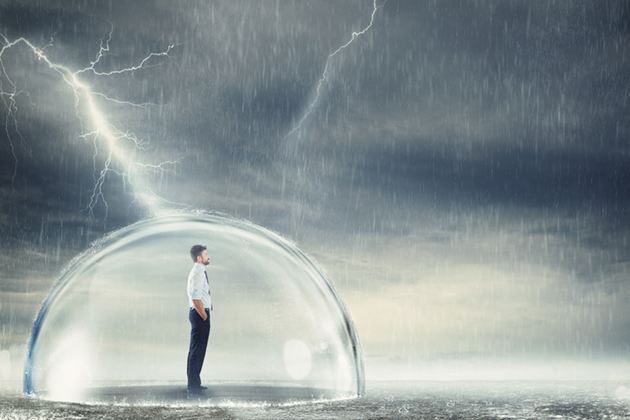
<point x="198" y="287"/>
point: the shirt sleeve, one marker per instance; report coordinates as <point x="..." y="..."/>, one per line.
<point x="197" y="286"/>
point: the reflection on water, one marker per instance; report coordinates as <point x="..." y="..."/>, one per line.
<point x="387" y="400"/>
<point x="119" y="313"/>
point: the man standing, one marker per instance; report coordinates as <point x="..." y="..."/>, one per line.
<point x="199" y="316"/>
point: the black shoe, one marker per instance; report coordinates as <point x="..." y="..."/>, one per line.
<point x="203" y="387"/>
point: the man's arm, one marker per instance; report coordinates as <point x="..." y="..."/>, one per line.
<point x="200" y="309"/>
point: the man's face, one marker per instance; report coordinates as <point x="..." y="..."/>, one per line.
<point x="204" y="258"/>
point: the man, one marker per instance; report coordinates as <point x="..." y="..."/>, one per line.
<point x="199" y="316"/>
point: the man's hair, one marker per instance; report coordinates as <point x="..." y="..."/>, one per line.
<point x="196" y="251"/>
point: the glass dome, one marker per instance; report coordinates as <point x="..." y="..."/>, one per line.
<point x="119" y="317"/>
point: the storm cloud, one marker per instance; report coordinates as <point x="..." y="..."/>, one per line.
<point x="462" y="174"/>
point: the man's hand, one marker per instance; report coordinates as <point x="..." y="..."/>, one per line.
<point x="200" y="309"/>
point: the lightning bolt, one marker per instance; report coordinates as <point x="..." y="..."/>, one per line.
<point x="355" y="35"/>
<point x="118" y="144"/>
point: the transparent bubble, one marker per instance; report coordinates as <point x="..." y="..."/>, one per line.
<point x="119" y="317"/>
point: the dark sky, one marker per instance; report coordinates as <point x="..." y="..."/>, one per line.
<point x="462" y="174"/>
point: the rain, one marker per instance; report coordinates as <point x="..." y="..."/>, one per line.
<point x="458" y="171"/>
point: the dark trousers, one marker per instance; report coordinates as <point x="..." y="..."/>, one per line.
<point x="199" y="333"/>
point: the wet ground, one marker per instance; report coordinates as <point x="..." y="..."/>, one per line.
<point x="383" y="400"/>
